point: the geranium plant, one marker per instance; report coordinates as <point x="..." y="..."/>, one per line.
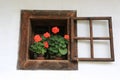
<point x="51" y="44"/>
<point x="40" y="45"/>
<point x="58" y="44"/>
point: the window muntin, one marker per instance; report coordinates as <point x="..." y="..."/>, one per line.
<point x="95" y="36"/>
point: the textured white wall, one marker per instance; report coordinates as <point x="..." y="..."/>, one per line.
<point x="9" y="38"/>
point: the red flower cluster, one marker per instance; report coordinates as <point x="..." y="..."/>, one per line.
<point x="46" y="35"/>
<point x="55" y="29"/>
<point x="66" y="37"/>
<point x="46" y="44"/>
<point x="37" y="38"/>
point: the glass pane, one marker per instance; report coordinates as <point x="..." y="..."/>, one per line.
<point x="83" y="28"/>
<point x="101" y="48"/>
<point x="100" y="28"/>
<point x="83" y="48"/>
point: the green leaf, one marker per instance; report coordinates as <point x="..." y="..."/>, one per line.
<point x="63" y="46"/>
<point x="53" y="50"/>
<point x="43" y="51"/>
<point x="57" y="46"/>
<point x="60" y="45"/>
<point x="63" y="51"/>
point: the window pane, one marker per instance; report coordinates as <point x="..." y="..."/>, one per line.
<point x="83" y="48"/>
<point x="83" y="28"/>
<point x="100" y="28"/>
<point x="101" y="48"/>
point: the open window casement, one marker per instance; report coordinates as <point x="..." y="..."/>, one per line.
<point x="94" y="42"/>
<point x="90" y="38"/>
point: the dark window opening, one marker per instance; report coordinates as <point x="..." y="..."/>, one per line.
<point x="40" y="26"/>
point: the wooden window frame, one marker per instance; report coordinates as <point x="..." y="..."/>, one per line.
<point x="24" y="62"/>
<point x="74" y="39"/>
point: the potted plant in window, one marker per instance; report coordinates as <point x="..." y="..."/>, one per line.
<point x="58" y="45"/>
<point x="40" y="45"/>
<point x="54" y="46"/>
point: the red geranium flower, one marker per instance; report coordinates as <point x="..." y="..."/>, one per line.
<point x="66" y="37"/>
<point x="46" y="44"/>
<point x="46" y="35"/>
<point x="55" y="29"/>
<point x="37" y="38"/>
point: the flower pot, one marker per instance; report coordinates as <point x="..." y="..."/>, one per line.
<point x="52" y="57"/>
<point x="58" y="58"/>
<point x="40" y="57"/>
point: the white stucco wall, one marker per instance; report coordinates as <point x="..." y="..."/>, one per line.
<point x="9" y="38"/>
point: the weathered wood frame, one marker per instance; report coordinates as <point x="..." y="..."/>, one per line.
<point x="25" y="38"/>
<point x="74" y="39"/>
